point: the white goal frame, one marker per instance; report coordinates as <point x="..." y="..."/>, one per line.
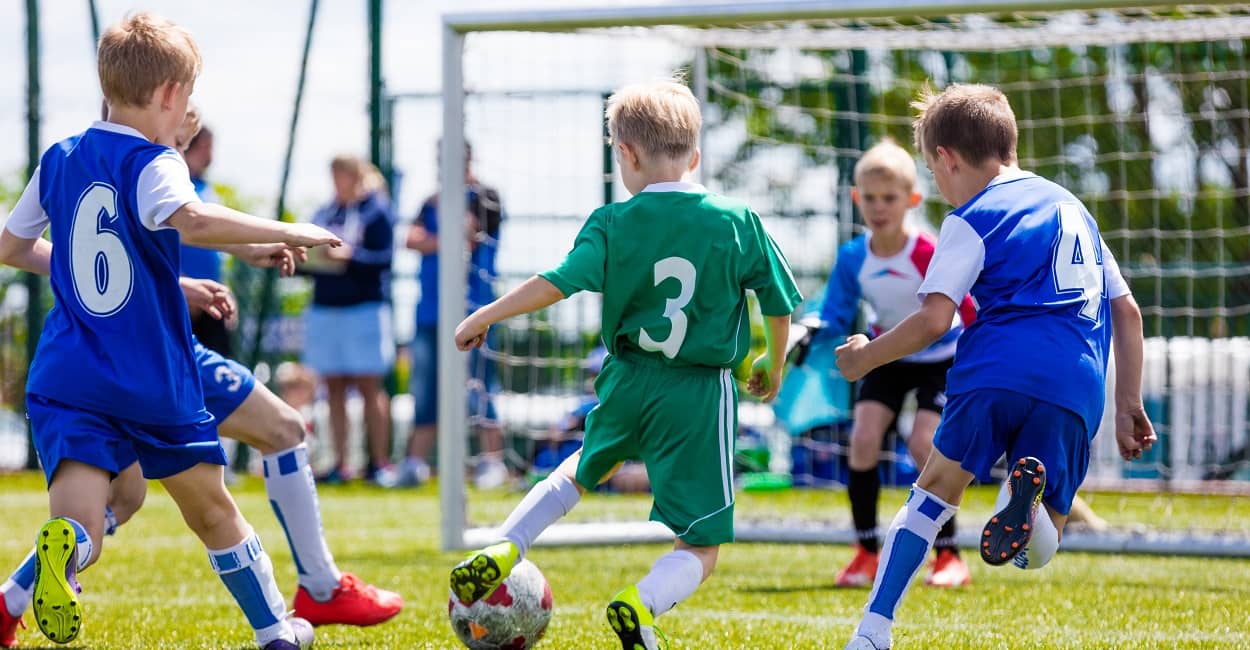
<point x="452" y="373"/>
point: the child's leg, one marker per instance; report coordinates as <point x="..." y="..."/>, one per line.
<point x="673" y="578"/>
<point x="233" y="549"/>
<point x="934" y="499"/>
<point x="16" y="591"/>
<point x="277" y="431"/>
<point x="67" y="544"/>
<point x="1044" y="542"/>
<point x="872" y="418"/>
<point x="545" y="503"/>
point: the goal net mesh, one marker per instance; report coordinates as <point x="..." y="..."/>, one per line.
<point x="1143" y="112"/>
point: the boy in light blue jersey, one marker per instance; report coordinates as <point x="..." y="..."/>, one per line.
<point x="1029" y="375"/>
<point x="117" y="204"/>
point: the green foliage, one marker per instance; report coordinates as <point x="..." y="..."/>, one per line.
<point x="153" y="588"/>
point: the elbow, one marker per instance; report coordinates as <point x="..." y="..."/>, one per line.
<point x="1125" y="310"/>
<point x="936" y="325"/>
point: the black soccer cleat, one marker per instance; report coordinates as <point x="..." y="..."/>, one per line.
<point x="1007" y="533"/>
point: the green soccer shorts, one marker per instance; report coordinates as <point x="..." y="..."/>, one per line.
<point x="681" y="421"/>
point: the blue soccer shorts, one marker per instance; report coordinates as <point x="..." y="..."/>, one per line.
<point x="227" y="383"/>
<point x="63" y="432"/>
<point x="979" y="426"/>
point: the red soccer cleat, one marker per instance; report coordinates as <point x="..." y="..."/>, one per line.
<point x="860" y="572"/>
<point x="8" y="626"/>
<point x="353" y="603"/>
<point x="949" y="570"/>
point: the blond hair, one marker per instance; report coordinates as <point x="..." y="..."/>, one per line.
<point x="190" y="128"/>
<point x="974" y="120"/>
<point x="142" y="53"/>
<point x="368" y="177"/>
<point x="661" y="118"/>
<point x="888" y="160"/>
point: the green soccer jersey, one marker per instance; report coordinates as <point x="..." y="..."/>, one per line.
<point x="673" y="264"/>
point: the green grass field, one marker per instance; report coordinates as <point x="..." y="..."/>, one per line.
<point x="154" y="588"/>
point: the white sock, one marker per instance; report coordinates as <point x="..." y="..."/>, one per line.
<point x="248" y="574"/>
<point x="906" y="545"/>
<point x="84" y="543"/>
<point x="673" y="578"/>
<point x="1044" y="542"/>
<point x="550" y="499"/>
<point x="293" y="495"/>
<point x="19" y="586"/>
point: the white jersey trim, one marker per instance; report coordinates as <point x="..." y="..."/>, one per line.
<point x="28" y="220"/>
<point x="957" y="261"/>
<point x="675" y="186"/>
<point x="1116" y="286"/>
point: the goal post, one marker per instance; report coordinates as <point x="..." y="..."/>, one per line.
<point x="1142" y="109"/>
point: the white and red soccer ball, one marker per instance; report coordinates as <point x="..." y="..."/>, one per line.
<point x="513" y="617"/>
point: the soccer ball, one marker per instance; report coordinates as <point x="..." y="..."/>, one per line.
<point x="513" y="617"/>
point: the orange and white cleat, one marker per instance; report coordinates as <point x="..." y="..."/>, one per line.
<point x="949" y="570"/>
<point x="8" y="626"/>
<point x="860" y="572"/>
<point x="354" y="603"/>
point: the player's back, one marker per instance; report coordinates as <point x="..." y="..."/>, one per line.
<point x="117" y="340"/>
<point x="1043" y="319"/>
<point x="678" y="261"/>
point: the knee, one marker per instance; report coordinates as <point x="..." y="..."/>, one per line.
<point x="212" y="516"/>
<point x="126" y="503"/>
<point x="287" y="430"/>
<point x="865" y="449"/>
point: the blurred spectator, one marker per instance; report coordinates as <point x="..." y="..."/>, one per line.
<point x="482" y="221"/>
<point x="203" y="263"/>
<point x="347" y="337"/>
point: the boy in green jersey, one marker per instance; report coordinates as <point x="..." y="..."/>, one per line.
<point x="674" y="264"/>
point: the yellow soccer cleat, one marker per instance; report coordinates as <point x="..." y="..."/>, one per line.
<point x="632" y="621"/>
<point x="482" y="571"/>
<point x="56" y="582"/>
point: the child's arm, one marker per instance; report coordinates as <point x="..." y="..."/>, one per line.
<point x="1133" y="431"/>
<point x="207" y="296"/>
<point x="766" y="371"/>
<point x="533" y="295"/>
<point x="208" y="224"/>
<point x="32" y="255"/>
<point x="858" y="355"/>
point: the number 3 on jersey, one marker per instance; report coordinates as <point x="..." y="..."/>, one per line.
<point x="101" y="269"/>
<point x="1078" y="260"/>
<point x="681" y="269"/>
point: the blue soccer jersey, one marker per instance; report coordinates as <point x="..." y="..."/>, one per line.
<point x="1030" y="254"/>
<point x="118" y="339"/>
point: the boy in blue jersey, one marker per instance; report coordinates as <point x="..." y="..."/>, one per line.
<point x="251" y="413"/>
<point x="117" y="204"/>
<point x="1029" y="375"/>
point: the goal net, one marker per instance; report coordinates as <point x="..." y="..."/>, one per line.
<point x="1142" y="111"/>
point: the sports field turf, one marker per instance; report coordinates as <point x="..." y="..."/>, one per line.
<point x="154" y="588"/>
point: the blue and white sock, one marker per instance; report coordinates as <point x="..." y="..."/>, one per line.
<point x="18" y="587"/>
<point x="906" y="544"/>
<point x="83" y="541"/>
<point x="110" y="522"/>
<point x="673" y="578"/>
<point x="548" y="501"/>
<point x="248" y="574"/>
<point x="293" y="495"/>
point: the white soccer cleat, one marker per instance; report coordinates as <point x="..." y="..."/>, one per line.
<point x="860" y="642"/>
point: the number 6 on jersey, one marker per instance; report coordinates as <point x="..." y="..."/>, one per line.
<point x="681" y="269"/>
<point x="101" y="269"/>
<point x="1078" y="260"/>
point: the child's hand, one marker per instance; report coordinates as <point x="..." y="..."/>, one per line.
<point x="471" y="334"/>
<point x="308" y="235"/>
<point x="207" y="296"/>
<point x="1133" y="432"/>
<point x="765" y="380"/>
<point x="853" y="361"/>
<point x="273" y="256"/>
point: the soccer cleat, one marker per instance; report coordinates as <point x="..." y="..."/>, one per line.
<point x="860" y="572"/>
<point x="8" y="626"/>
<point x="1008" y="532"/>
<point x="56" y="590"/>
<point x="949" y="570"/>
<point x="861" y="642"/>
<point x="632" y="621"/>
<point x="481" y="572"/>
<point x="303" y="636"/>
<point x="353" y="603"/>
